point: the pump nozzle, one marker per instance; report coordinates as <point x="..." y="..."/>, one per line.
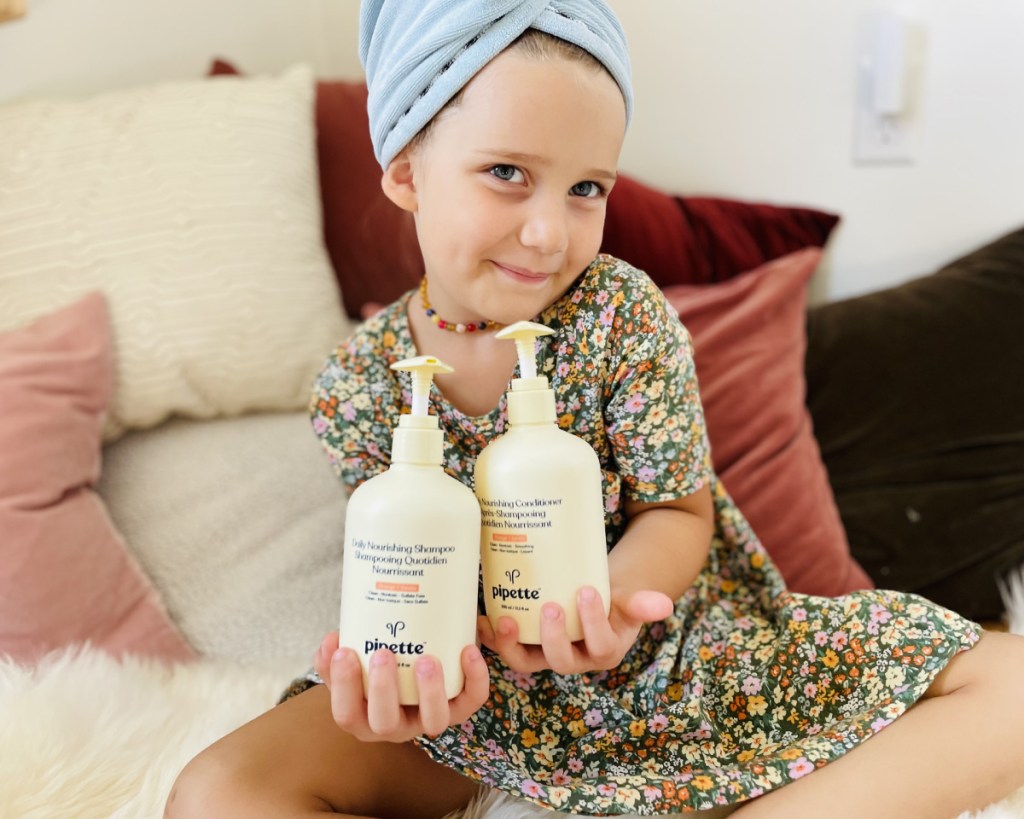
<point x="531" y="400"/>
<point x="422" y="368"/>
<point x="418" y="439"/>
<point x="525" y="333"/>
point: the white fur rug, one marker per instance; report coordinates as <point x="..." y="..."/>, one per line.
<point x="84" y="736"/>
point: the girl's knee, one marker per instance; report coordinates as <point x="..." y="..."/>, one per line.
<point x="209" y="785"/>
<point x="994" y="664"/>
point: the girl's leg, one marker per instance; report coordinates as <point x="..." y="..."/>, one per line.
<point x="294" y="761"/>
<point x="960" y="748"/>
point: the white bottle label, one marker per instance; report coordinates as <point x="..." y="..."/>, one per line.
<point x="391" y="577"/>
<point x="412" y="599"/>
<point x="397" y="571"/>
<point x="528" y="563"/>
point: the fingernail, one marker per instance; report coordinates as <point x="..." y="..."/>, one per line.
<point x="551" y="613"/>
<point x="505" y="628"/>
<point x="587" y="595"/>
<point x="338" y="656"/>
<point x="474" y="655"/>
<point x="379" y="659"/>
<point x="425" y="668"/>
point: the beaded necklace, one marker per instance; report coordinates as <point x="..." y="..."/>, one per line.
<point x="472" y="327"/>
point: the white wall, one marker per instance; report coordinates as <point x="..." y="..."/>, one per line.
<point x="734" y="98"/>
<point x="756" y="100"/>
<point x="81" y="46"/>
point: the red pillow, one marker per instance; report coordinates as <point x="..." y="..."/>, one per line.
<point x="66" y="576"/>
<point x="699" y="240"/>
<point x="372" y="243"/>
<point x="749" y="342"/>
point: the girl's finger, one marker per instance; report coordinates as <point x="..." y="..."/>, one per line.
<point x="433" y="702"/>
<point x="645" y="607"/>
<point x="346" y="687"/>
<point x="517" y="656"/>
<point x="506" y="637"/>
<point x="555" y="643"/>
<point x="602" y="643"/>
<point x="324" y="653"/>
<point x="383" y="712"/>
<point x="476" y="689"/>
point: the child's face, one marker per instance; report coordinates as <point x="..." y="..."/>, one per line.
<point x="509" y="187"/>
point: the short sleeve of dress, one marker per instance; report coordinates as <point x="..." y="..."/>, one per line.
<point x="653" y="414"/>
<point x="355" y="404"/>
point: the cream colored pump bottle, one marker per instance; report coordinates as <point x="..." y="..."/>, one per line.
<point x="412" y="558"/>
<point x="542" y="534"/>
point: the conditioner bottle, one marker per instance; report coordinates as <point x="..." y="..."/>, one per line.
<point x="539" y="487"/>
<point x="412" y="563"/>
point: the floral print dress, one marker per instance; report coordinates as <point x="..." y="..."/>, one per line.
<point x="747" y="686"/>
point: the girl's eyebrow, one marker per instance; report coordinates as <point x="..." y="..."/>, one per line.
<point x="535" y="159"/>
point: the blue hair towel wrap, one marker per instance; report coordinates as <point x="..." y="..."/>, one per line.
<point x="418" y="54"/>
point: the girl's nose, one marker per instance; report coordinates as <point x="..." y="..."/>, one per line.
<point x="546" y="226"/>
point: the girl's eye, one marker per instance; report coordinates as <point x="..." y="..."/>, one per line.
<point x="587" y="189"/>
<point x="507" y="173"/>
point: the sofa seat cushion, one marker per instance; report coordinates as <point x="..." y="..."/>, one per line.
<point x="240" y="523"/>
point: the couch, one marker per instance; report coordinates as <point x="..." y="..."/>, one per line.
<point x="177" y="260"/>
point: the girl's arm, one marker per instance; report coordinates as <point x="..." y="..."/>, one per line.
<point x="664" y="546"/>
<point x="653" y="564"/>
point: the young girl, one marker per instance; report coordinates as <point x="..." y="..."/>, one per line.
<point x="499" y="126"/>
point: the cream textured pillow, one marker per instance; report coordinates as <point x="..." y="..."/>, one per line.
<point x="240" y="522"/>
<point x="195" y="208"/>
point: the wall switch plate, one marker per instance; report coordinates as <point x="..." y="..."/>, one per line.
<point x="883" y="138"/>
<point x="886" y="120"/>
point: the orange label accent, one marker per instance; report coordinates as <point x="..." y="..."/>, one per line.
<point x="401" y="587"/>
<point x="499" y="538"/>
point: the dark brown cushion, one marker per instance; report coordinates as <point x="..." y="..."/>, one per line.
<point x="917" y="399"/>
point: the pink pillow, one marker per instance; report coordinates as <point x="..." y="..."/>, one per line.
<point x="65" y="574"/>
<point x="749" y="342"/>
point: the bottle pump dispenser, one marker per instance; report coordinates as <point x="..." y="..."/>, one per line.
<point x="540" y="491"/>
<point x="411" y="564"/>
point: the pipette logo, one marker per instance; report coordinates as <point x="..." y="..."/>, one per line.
<point x="394" y="629"/>
<point x="513" y="591"/>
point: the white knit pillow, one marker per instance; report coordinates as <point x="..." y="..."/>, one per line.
<point x="195" y="207"/>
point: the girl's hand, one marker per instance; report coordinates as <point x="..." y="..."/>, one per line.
<point x="376" y="715"/>
<point x="605" y="639"/>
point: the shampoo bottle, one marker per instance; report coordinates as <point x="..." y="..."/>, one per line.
<point x="542" y="534"/>
<point x="412" y="559"/>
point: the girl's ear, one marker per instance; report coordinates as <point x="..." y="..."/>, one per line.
<point x="397" y="182"/>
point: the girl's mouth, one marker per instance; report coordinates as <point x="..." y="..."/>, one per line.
<point x="521" y="274"/>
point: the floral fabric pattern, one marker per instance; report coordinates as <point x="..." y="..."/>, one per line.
<point x="747" y="686"/>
